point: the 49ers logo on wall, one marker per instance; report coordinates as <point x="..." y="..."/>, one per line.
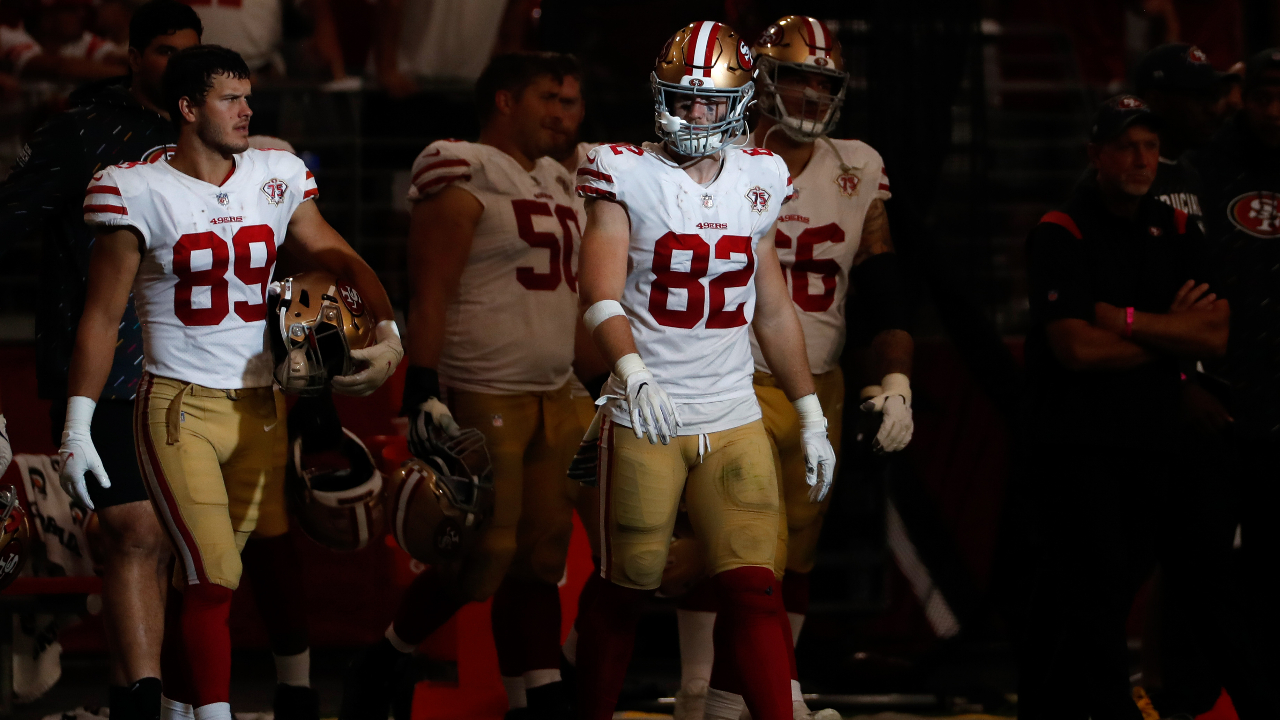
<point x="274" y="189"/>
<point x="759" y="198"/>
<point x="1257" y="213"/>
<point x="848" y="183"/>
<point x="158" y="152"/>
<point x="351" y="299"/>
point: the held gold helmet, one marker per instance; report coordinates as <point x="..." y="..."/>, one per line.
<point x="704" y="74"/>
<point x="14" y="536"/>
<point x="318" y="320"/>
<point x="438" y="511"/>
<point x="805" y="53"/>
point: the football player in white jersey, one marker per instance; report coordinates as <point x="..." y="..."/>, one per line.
<point x="678" y="265"/>
<point x="835" y="228"/>
<point x="493" y="318"/>
<point x="195" y="237"/>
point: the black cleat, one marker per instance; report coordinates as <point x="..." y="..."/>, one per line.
<point x="368" y="684"/>
<point x="549" y="702"/>
<point x="296" y="703"/>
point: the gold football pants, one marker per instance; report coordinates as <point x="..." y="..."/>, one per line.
<point x="213" y="461"/>
<point x="729" y="487"/>
<point x="531" y="438"/>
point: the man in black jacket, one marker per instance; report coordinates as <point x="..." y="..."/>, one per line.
<point x="113" y="121"/>
<point x="1240" y="170"/>
<point x="1117" y="299"/>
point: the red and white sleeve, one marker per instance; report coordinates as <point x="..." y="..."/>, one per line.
<point x="882" y="190"/>
<point x="594" y="181"/>
<point x="103" y="202"/>
<point x="436" y="168"/>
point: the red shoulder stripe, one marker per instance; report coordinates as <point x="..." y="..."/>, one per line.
<point x="1180" y="218"/>
<point x="102" y="190"/>
<point x="310" y="193"/>
<point x="440" y="164"/>
<point x="588" y="172"/>
<point x="1057" y="217"/>
<point x="596" y="192"/>
<point x="310" y="176"/>
<point x="117" y="209"/>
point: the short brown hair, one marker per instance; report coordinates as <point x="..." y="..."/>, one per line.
<point x="514" y="72"/>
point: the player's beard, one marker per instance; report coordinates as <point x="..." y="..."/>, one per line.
<point x="212" y="136"/>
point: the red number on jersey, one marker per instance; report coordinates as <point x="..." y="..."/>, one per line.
<point x="827" y="269"/>
<point x="664" y="279"/>
<point x="215" y="277"/>
<point x="757" y="151"/>
<point x="550" y="280"/>
<point x="725" y="247"/>
<point x="243" y="241"/>
<point x="567" y="216"/>
<point x="618" y="148"/>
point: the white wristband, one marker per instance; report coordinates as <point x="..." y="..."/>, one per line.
<point x="600" y="312"/>
<point x="629" y="365"/>
<point x="80" y="412"/>
<point x="810" y="411"/>
<point x="897" y="384"/>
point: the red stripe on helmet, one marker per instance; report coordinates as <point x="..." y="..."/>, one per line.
<point x="710" y="58"/>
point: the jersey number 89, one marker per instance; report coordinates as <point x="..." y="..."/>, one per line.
<point x="215" y="277"/>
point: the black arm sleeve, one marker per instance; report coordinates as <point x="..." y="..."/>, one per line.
<point x="881" y="297"/>
<point x="1058" y="284"/>
<point x="48" y="173"/>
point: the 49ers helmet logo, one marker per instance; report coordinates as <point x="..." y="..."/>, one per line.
<point x="274" y="189"/>
<point x="1257" y="213"/>
<point x="448" y="538"/>
<point x="351" y="299"/>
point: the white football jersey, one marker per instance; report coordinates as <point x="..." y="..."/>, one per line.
<point x="818" y="236"/>
<point x="510" y="328"/>
<point x="210" y="250"/>
<point x="690" y="292"/>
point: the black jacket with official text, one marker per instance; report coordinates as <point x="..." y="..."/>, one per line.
<point x="44" y="195"/>
<point x="1084" y="254"/>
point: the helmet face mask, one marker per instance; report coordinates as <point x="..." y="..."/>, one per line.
<point x="787" y="95"/>
<point x="701" y="89"/>
<point x="14" y="536"/>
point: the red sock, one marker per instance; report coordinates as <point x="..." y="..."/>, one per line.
<point x="526" y="626"/>
<point x="751" y="654"/>
<point x="606" y="637"/>
<point x="274" y="570"/>
<point x="207" y="641"/>
<point x="702" y="598"/>
<point x="589" y="591"/>
<point x="426" y="605"/>
<point x="174" y="671"/>
<point x="784" y="622"/>
<point x="795" y="592"/>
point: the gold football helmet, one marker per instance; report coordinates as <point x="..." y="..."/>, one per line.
<point x="14" y="536"/>
<point x="801" y="49"/>
<point x="701" y="88"/>
<point x="319" y="320"/>
<point x="440" y="504"/>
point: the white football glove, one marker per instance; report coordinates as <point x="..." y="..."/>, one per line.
<point x="893" y="402"/>
<point x="377" y="362"/>
<point x="819" y="456"/>
<point x="6" y="450"/>
<point x="431" y="414"/>
<point x="652" y="411"/>
<point x="79" y="456"/>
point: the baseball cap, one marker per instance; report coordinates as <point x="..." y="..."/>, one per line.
<point x="1177" y="67"/>
<point x="1118" y="113"/>
<point x="1259" y="64"/>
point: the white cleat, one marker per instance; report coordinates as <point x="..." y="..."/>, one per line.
<point x="691" y="701"/>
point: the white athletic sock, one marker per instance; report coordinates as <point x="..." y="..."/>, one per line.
<point x="538" y="678"/>
<point x="174" y="710"/>
<point x="697" y="646"/>
<point x="515" y="692"/>
<point x="396" y="642"/>
<point x="294" y="669"/>
<point x="797" y="622"/>
<point x="570" y="647"/>
<point x="214" y="711"/>
<point x="723" y="705"/>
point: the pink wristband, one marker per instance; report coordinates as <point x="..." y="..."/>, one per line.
<point x="1128" y="322"/>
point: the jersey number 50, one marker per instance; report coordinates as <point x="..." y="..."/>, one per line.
<point x="664" y="279"/>
<point x="560" y="256"/>
<point x="215" y="277"/>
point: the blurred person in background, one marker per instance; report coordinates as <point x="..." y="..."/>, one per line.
<point x="65" y="27"/>
<point x="1118" y="298"/>
<point x="438" y="41"/>
<point x="492" y="328"/>
<point x="256" y="29"/>
<point x="23" y="57"/>
<point x="1240" y="170"/>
